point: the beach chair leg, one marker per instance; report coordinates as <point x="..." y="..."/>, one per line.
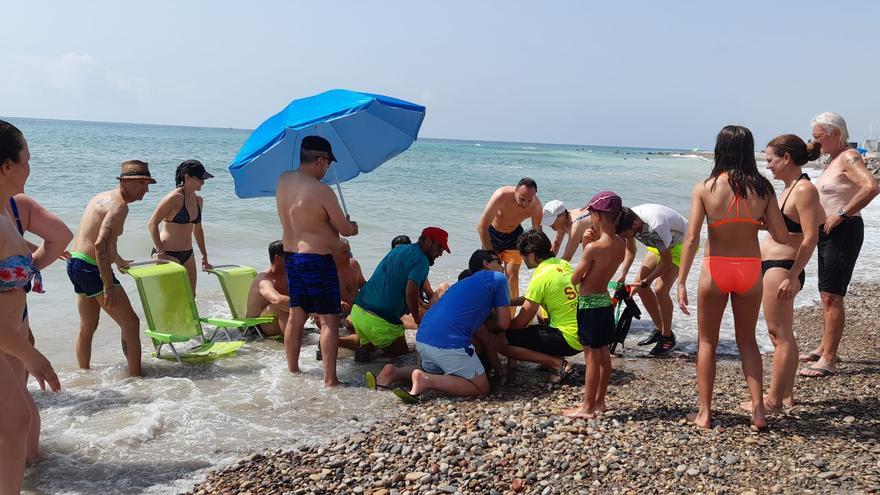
<point x="228" y="337"/>
<point x="259" y="333"/>
<point x="158" y="349"/>
<point x="176" y="355"/>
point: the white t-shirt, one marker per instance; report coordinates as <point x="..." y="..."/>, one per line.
<point x="663" y="228"/>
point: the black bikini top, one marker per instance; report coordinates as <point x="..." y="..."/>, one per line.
<point x="792" y="226"/>
<point x="183" y="215"/>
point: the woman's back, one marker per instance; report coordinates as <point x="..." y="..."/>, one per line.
<point x="733" y="220"/>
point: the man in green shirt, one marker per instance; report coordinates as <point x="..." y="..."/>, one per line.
<point x="551" y="288"/>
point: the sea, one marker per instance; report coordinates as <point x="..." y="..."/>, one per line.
<point x="108" y="433"/>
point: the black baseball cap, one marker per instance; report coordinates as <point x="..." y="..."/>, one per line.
<point x="317" y="143"/>
<point x="194" y="168"/>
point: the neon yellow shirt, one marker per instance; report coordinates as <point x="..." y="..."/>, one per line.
<point x="551" y="287"/>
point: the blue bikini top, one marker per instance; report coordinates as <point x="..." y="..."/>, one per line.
<point x="16" y="272"/>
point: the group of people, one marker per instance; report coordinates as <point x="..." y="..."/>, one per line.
<point x="463" y="328"/>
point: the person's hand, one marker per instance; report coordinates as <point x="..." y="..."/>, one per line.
<point x="205" y="265"/>
<point x="346" y="308"/>
<point x="111" y="297"/>
<point x="683" y="298"/>
<point x="590" y="235"/>
<point x="786" y="289"/>
<point x="354" y="226"/>
<point x="832" y="222"/>
<point x="123" y="264"/>
<point x="64" y="256"/>
<point x="41" y="369"/>
<point x="621" y="280"/>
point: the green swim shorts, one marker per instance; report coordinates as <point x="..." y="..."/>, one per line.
<point x="373" y="329"/>
<point x="675" y="252"/>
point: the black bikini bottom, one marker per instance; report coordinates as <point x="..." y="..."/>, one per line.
<point x="181" y="256"/>
<point x="787" y="264"/>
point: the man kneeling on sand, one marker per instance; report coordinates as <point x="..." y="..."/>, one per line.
<point x="268" y="294"/>
<point x="449" y="361"/>
<point x="392" y="290"/>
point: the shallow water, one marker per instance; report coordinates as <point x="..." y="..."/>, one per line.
<point x="112" y="434"/>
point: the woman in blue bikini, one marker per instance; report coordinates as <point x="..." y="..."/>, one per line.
<point x="181" y="211"/>
<point x="16" y="274"/>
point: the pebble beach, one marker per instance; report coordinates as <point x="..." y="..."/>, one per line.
<point x="515" y="441"/>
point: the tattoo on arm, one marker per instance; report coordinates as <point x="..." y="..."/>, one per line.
<point x="854" y="160"/>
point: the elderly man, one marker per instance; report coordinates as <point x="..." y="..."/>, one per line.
<point x="499" y="226"/>
<point x="312" y="222"/>
<point x="89" y="267"/>
<point x="393" y="289"/>
<point x="662" y="230"/>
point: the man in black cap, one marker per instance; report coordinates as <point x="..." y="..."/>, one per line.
<point x="312" y="222"/>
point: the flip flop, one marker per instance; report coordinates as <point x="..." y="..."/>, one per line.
<point x="811" y="357"/>
<point x="371" y="382"/>
<point x="406" y="397"/>
<point x="819" y="372"/>
<point x="563" y="373"/>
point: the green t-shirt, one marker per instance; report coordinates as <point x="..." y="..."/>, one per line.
<point x="551" y="287"/>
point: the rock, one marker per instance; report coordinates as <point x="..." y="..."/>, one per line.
<point x="731" y="459"/>
<point x="681" y="468"/>
<point x="693" y="472"/>
<point x="414" y="476"/>
<point x="827" y="475"/>
<point x="517" y="485"/>
<point x="849" y="419"/>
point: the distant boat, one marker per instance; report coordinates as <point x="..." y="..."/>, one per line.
<point x="527" y="148"/>
<point x="477" y="145"/>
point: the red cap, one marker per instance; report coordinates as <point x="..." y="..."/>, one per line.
<point x="439" y="235"/>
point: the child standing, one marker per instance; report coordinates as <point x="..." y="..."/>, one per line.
<point x="603" y="253"/>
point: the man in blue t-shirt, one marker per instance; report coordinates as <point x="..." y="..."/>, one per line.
<point x="393" y="289"/>
<point x="449" y="361"/>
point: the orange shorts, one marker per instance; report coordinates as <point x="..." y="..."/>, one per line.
<point x="511" y="256"/>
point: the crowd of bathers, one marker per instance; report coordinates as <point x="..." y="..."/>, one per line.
<point x="475" y="330"/>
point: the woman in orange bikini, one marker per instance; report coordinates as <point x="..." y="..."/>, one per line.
<point x="737" y="201"/>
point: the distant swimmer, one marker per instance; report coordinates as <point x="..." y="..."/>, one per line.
<point x="89" y="267"/>
<point x="181" y="212"/>
<point x="499" y="226"/>
<point x="268" y="293"/>
<point x="312" y="221"/>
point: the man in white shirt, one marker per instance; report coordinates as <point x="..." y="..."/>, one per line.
<point x="662" y="230"/>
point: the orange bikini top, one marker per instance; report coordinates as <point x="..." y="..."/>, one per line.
<point x="734" y="216"/>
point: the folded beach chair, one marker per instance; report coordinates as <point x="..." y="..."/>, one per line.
<point x="172" y="316"/>
<point x="236" y="280"/>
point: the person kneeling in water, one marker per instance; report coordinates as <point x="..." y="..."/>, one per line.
<point x="449" y="361"/>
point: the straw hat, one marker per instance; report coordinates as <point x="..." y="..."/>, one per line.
<point x="136" y="169"/>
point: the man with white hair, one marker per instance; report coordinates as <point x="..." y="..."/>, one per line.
<point x="845" y="187"/>
<point x="571" y="223"/>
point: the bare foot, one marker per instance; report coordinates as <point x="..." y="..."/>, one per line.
<point x="759" y="420"/>
<point x="600" y="407"/>
<point x="789" y="402"/>
<point x="331" y="383"/>
<point x="769" y="406"/>
<point x="419" y="382"/>
<point x="700" y="419"/>
<point x="579" y="412"/>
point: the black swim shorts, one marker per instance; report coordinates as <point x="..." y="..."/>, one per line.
<point x="541" y="338"/>
<point x="838" y="253"/>
<point x="504" y="241"/>
<point x="595" y="319"/>
<point x="313" y="283"/>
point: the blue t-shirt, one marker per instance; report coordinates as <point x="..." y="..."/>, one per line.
<point x="453" y="319"/>
<point x="385" y="293"/>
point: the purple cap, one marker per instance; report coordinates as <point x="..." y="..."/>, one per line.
<point x="605" y="202"/>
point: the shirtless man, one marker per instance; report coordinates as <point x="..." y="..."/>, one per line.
<point x="312" y="222"/>
<point x="268" y="293"/>
<point x="571" y="223"/>
<point x="88" y="268"/>
<point x="351" y="279"/>
<point x="499" y="226"/>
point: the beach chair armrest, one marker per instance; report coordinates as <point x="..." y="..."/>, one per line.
<point x="223" y="323"/>
<point x="166" y="338"/>
<point x="258" y="320"/>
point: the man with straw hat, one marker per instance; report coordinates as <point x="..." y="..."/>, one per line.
<point x="89" y="267"/>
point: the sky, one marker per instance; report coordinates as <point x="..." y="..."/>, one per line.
<point x="635" y="73"/>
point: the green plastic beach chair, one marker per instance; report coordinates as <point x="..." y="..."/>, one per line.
<point x="236" y="280"/>
<point x="172" y="316"/>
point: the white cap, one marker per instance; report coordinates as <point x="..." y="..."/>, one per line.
<point x="552" y="210"/>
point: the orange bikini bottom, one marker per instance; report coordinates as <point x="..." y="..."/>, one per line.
<point x="733" y="274"/>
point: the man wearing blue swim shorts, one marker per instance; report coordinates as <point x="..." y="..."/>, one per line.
<point x="312" y="221"/>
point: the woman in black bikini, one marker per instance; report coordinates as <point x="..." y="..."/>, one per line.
<point x="783" y="264"/>
<point x="181" y="210"/>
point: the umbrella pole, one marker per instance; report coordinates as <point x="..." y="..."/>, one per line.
<point x="339" y="189"/>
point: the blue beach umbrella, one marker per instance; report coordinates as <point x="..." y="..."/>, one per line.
<point x="365" y="130"/>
